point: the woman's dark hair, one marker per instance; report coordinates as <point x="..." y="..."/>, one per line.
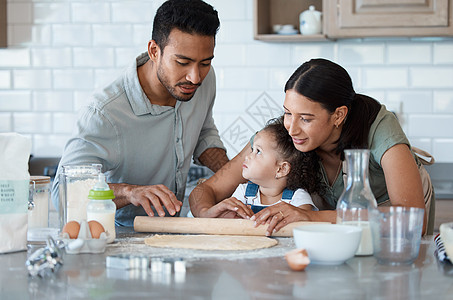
<point x="329" y="84"/>
<point x="189" y="16"/>
<point x="304" y="165"/>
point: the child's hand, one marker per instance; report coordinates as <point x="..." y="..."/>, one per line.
<point x="278" y="216"/>
<point x="229" y="208"/>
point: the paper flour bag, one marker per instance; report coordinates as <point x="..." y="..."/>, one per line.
<point x="14" y="183"/>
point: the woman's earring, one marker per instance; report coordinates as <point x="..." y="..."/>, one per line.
<point x="336" y="126"/>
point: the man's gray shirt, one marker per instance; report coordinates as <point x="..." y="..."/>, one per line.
<point x="138" y="142"/>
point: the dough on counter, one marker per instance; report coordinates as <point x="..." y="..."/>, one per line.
<point x="211" y="242"/>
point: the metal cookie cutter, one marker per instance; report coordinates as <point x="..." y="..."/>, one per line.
<point x="47" y="260"/>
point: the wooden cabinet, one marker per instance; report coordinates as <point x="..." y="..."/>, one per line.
<point x="271" y="12"/>
<point x="358" y="18"/>
<point x="3" y="24"/>
<point x="373" y="18"/>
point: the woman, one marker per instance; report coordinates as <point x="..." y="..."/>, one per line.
<point x="324" y="114"/>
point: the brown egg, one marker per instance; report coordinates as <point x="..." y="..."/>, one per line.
<point x="297" y="259"/>
<point x="72" y="228"/>
<point x="96" y="229"/>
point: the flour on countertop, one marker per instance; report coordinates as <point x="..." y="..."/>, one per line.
<point x="137" y="246"/>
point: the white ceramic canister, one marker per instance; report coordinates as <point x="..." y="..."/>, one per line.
<point x="310" y="21"/>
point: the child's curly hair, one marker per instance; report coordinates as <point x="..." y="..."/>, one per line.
<point x="304" y="165"/>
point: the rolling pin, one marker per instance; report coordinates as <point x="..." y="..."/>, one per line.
<point x="208" y="226"/>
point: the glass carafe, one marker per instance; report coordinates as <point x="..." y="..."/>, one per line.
<point x="357" y="200"/>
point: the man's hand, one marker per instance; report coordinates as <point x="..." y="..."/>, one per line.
<point x="146" y="196"/>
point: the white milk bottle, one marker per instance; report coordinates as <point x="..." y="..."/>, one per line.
<point x="357" y="201"/>
<point x="101" y="207"/>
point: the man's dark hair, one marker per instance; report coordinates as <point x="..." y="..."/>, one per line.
<point x="189" y="16"/>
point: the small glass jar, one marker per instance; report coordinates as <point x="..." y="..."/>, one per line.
<point x="38" y="202"/>
<point x="38" y="210"/>
<point x="76" y="182"/>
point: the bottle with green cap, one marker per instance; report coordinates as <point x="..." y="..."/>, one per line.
<point x="101" y="207"/>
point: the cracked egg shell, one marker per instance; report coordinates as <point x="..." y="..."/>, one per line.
<point x="297" y="259"/>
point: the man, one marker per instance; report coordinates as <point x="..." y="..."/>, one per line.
<point x="145" y="126"/>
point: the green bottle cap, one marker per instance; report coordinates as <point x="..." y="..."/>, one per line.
<point x="101" y="190"/>
<point x="101" y="195"/>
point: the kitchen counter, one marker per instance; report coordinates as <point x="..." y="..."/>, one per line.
<point x="260" y="274"/>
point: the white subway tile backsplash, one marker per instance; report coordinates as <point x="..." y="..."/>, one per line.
<point x="306" y="51"/>
<point x="231" y="9"/>
<point x="235" y="32"/>
<point x="53" y="101"/>
<point x="412" y="101"/>
<point x="90" y="12"/>
<point x="431" y="77"/>
<point x="14" y="57"/>
<point x="125" y="56"/>
<point x="356" y="76"/>
<point x="443" y="102"/>
<point x="443" y="53"/>
<point x="32" y="122"/>
<point x="236" y="79"/>
<point x="132" y="12"/>
<point x="274" y="55"/>
<point x="5" y="122"/>
<point x="424" y="144"/>
<point x="112" y="35"/>
<point x="5" y="79"/>
<point x="15" y="101"/>
<point x="228" y="55"/>
<point x="64" y="122"/>
<point x="390" y="77"/>
<point x="32" y="79"/>
<point x="60" y="51"/>
<point x="71" y="35"/>
<point x="141" y="35"/>
<point x="51" y="13"/>
<point x="26" y="35"/>
<point x="361" y="54"/>
<point x="19" y="13"/>
<point x="403" y="54"/>
<point x="103" y="77"/>
<point x="51" y="57"/>
<point x="279" y="77"/>
<point x="225" y="98"/>
<point x="81" y="98"/>
<point x="434" y="126"/>
<point x="93" y="57"/>
<point x="73" y="79"/>
<point x="443" y="150"/>
<point x="48" y="144"/>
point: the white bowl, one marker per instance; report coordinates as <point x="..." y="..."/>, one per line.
<point x="328" y="244"/>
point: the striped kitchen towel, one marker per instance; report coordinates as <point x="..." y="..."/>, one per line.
<point x="440" y="250"/>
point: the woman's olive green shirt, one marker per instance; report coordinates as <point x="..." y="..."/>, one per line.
<point x="385" y="132"/>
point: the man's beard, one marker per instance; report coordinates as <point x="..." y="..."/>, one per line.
<point x="172" y="90"/>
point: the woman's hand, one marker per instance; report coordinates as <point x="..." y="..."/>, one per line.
<point x="280" y="215"/>
<point x="229" y="208"/>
